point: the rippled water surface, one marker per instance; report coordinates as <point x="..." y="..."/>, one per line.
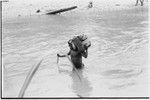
<point x="116" y="65"/>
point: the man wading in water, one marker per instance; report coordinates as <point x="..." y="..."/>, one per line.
<point x="78" y="47"/>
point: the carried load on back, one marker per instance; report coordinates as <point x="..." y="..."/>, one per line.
<point x="79" y="43"/>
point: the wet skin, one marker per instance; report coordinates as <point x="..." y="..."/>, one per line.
<point x="76" y="57"/>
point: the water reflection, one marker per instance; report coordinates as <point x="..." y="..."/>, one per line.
<point x="81" y="88"/>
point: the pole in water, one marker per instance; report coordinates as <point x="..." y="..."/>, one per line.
<point x="57" y="59"/>
<point x="72" y="65"/>
<point x="57" y="63"/>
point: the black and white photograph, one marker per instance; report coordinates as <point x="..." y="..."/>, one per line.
<point x="75" y="49"/>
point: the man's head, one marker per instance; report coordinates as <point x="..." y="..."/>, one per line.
<point x="82" y="37"/>
<point x="71" y="45"/>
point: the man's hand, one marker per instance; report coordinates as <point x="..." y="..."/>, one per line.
<point x="85" y="54"/>
<point x="58" y="55"/>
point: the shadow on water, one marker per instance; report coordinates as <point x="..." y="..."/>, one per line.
<point x="122" y="73"/>
<point x="80" y="88"/>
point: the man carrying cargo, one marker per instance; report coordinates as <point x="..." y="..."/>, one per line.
<point x="78" y="48"/>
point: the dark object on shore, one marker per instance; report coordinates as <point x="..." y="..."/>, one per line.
<point x="61" y="10"/>
<point x="141" y="1"/>
<point x="90" y="4"/>
<point x="38" y="11"/>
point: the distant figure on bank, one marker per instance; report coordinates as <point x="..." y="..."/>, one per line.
<point x="90" y="4"/>
<point x="38" y="11"/>
<point x="78" y="48"/>
<point x="141" y="1"/>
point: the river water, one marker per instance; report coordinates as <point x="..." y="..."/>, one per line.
<point x="116" y="64"/>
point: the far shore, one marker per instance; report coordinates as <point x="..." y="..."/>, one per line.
<point x="15" y="8"/>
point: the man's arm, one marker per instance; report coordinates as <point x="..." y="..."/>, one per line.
<point x="64" y="55"/>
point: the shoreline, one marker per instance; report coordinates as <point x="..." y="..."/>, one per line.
<point x="28" y="8"/>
